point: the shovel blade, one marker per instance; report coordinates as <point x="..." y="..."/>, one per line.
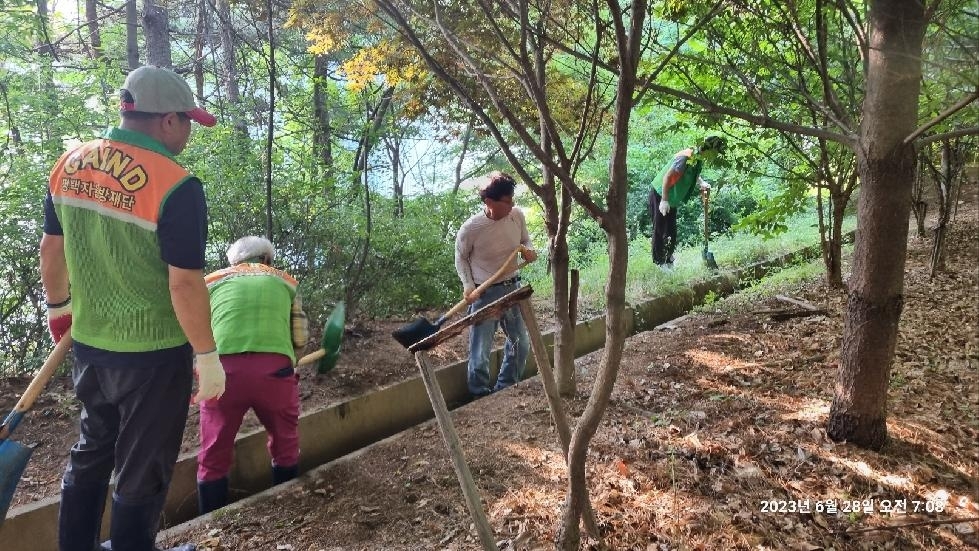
<point x="13" y="461"/>
<point x="415" y="331"/>
<point x="328" y="362"/>
<point x="332" y="338"/>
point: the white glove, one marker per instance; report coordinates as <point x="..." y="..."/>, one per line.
<point x="664" y="207"/>
<point x="704" y="186"/>
<point x="210" y="376"/>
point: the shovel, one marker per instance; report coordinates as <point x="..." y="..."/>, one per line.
<point x="13" y="455"/>
<point x="329" y="351"/>
<point x="708" y="256"/>
<point x="421" y="328"/>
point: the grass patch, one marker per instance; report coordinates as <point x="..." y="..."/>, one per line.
<point x="645" y="279"/>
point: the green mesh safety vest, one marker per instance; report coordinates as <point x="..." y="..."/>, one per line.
<point x="108" y="194"/>
<point x="251" y="307"/>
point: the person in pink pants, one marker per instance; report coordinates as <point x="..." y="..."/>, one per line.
<point x="259" y="326"/>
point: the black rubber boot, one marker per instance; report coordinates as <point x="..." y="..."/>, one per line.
<point x="283" y="474"/>
<point x="134" y="527"/>
<point x="80" y="517"/>
<point x="212" y="495"/>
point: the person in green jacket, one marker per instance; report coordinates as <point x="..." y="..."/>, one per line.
<point x="673" y="186"/>
<point x="259" y="325"/>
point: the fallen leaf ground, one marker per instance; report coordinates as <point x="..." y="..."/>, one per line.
<point x="714" y="439"/>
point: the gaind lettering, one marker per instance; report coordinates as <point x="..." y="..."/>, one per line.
<point x="114" y="162"/>
<point x="134" y="179"/>
<point x="71" y="165"/>
<point x="91" y="159"/>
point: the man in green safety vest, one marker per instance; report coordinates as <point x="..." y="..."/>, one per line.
<point x="675" y="185"/>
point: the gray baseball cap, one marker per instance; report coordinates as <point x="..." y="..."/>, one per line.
<point x="151" y="89"/>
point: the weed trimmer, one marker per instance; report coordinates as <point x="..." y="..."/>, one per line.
<point x="708" y="256"/>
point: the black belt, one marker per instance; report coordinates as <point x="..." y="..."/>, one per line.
<point x="512" y="281"/>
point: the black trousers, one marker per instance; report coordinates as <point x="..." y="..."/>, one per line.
<point x="664" y="230"/>
<point x="132" y="420"/>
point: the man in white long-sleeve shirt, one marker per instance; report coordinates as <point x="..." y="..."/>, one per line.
<point x="482" y="245"/>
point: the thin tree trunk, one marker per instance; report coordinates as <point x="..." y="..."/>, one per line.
<point x="859" y="410"/>
<point x="834" y="271"/>
<point x="270" y="136"/>
<point x="945" y="178"/>
<point x="156" y="30"/>
<point x="558" y="258"/>
<point x="397" y="181"/>
<point x="94" y="34"/>
<point x="618" y="251"/>
<point x="200" y="39"/>
<point x="463" y="151"/>
<point x="355" y="268"/>
<point x="132" y="35"/>
<point x="229" y="68"/>
<point x="11" y="123"/>
<point x="42" y="40"/>
<point x="322" y="132"/>
<point x="564" y="337"/>
<point x="918" y="205"/>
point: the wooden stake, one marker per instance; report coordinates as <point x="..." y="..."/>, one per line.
<point x="454" y="445"/>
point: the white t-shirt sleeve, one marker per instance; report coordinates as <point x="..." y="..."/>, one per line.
<point x="464" y="248"/>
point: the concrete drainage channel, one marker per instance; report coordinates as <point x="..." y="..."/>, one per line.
<point x="346" y="427"/>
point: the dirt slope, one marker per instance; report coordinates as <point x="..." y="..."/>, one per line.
<point x="714" y="440"/>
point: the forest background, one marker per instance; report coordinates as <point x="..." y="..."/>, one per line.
<point x="354" y="161"/>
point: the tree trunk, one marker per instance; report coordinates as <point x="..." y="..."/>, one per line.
<point x="886" y="165"/>
<point x="618" y="252"/>
<point x="229" y="72"/>
<point x="918" y="205"/>
<point x="200" y="39"/>
<point x="834" y="269"/>
<point x="393" y="143"/>
<point x="94" y="34"/>
<point x="945" y="178"/>
<point x="132" y="35"/>
<point x="322" y="131"/>
<point x="156" y="30"/>
<point x="558" y="218"/>
<point x="467" y="135"/>
<point x="42" y="41"/>
<point x="270" y="134"/>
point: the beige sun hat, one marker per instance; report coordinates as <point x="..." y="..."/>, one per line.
<point x="151" y="89"/>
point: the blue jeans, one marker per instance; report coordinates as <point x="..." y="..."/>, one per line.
<point x="515" y="350"/>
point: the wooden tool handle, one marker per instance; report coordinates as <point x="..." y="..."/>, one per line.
<point x="311" y="357"/>
<point x="506" y="268"/>
<point x="705" y="194"/>
<point x="41" y="379"/>
<point x="44" y="375"/>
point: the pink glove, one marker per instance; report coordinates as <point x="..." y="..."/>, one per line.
<point x="59" y="319"/>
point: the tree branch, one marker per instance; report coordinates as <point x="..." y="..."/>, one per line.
<point x="942" y="116"/>
<point x="848" y="139"/>
<point x="973" y="131"/>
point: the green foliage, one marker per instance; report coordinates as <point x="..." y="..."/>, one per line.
<point x="770" y="216"/>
